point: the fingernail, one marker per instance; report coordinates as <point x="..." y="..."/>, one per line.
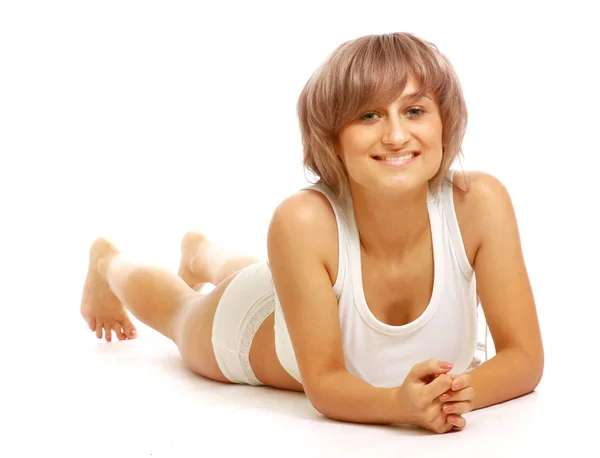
<point x="455" y="385"/>
<point x="452" y="420"/>
<point x="448" y="408"/>
<point x="444" y="397"/>
<point x="446" y="365"/>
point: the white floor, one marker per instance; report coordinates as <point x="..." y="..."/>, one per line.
<point x="65" y="392"/>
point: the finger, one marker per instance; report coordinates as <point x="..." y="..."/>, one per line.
<point x="456" y="421"/>
<point x="438" y="387"/>
<point x="460" y="382"/>
<point x="454" y="375"/>
<point x="98" y="329"/>
<point x="444" y="422"/>
<point x="458" y="407"/>
<point x="466" y="394"/>
<point x="442" y="426"/>
<point x="425" y="369"/>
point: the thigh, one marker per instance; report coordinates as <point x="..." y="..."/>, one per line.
<point x="194" y="340"/>
<point x="194" y="333"/>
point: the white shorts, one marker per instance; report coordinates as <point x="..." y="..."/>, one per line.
<point x="246" y="302"/>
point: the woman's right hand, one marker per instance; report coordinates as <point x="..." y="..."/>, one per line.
<point x="420" y="393"/>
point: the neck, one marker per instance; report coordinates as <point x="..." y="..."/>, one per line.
<point x="390" y="225"/>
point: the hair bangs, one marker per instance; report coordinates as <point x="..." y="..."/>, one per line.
<point x="371" y="70"/>
<point x="378" y="73"/>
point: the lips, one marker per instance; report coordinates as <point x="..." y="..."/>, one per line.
<point x="402" y="154"/>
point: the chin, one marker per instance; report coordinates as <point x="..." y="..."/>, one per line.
<point x="406" y="183"/>
<point x="395" y="180"/>
<point x="403" y="187"/>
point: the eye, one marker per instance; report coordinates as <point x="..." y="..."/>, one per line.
<point x="417" y="110"/>
<point x="368" y="117"/>
<point x="413" y="113"/>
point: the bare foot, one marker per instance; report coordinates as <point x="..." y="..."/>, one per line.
<point x="100" y="308"/>
<point x="190" y="267"/>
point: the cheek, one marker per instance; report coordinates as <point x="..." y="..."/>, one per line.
<point x="355" y="140"/>
<point x="356" y="164"/>
<point x="435" y="162"/>
<point x="349" y="153"/>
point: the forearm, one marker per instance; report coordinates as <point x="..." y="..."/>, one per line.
<point x="508" y="375"/>
<point x="344" y="397"/>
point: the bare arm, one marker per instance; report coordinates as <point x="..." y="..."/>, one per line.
<point x="506" y="297"/>
<point x="302" y="231"/>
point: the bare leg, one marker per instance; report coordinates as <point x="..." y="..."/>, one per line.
<point x="165" y="302"/>
<point x="155" y="296"/>
<point x="203" y="261"/>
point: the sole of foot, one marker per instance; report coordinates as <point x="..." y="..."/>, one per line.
<point x="100" y="308"/>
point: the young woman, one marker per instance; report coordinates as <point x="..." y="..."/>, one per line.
<point x="368" y="301"/>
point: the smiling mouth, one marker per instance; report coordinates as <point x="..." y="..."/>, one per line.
<point x="397" y="159"/>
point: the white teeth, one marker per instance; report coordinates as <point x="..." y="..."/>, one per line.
<point x="406" y="157"/>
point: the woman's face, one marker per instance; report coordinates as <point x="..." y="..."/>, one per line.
<point x="397" y="147"/>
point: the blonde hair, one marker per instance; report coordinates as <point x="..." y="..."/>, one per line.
<point x="369" y="68"/>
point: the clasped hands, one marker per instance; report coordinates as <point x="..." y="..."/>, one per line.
<point x="434" y="399"/>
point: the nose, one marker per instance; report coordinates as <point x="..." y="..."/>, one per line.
<point x="395" y="133"/>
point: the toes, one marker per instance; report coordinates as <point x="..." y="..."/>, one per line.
<point x="129" y="331"/>
<point x="91" y="324"/>
<point x="98" y="330"/>
<point x="107" y="332"/>
<point x="118" y="332"/>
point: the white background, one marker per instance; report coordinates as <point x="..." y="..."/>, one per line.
<point x="143" y="120"/>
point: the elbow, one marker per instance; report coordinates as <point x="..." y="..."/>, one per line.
<point x="535" y="369"/>
<point x="320" y="401"/>
<point x="318" y="390"/>
<point x="538" y="373"/>
<point x="326" y="411"/>
<point x="528" y="367"/>
<point x="322" y="406"/>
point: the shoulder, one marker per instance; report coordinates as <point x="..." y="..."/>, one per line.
<point x="307" y="207"/>
<point x="306" y="220"/>
<point x="476" y="190"/>
<point x="481" y="201"/>
<point x="308" y="212"/>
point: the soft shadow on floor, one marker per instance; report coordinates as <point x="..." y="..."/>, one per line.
<point x="275" y="401"/>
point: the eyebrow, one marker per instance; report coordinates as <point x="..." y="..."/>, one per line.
<point x="415" y="96"/>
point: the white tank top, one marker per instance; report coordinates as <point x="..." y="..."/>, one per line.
<point x="381" y="354"/>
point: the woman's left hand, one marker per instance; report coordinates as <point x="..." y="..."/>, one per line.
<point x="459" y="398"/>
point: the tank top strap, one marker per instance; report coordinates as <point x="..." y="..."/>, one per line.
<point x="446" y="197"/>
<point x="341" y="217"/>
